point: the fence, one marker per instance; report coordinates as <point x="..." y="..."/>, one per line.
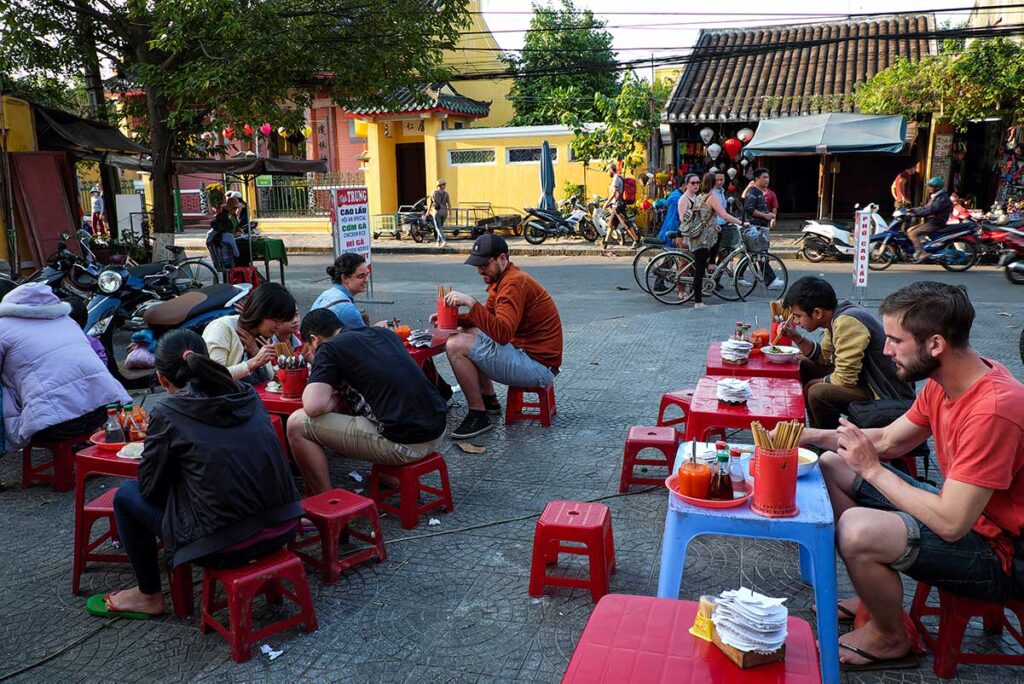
<point x="298" y="196"/>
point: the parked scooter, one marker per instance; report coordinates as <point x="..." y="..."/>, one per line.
<point x="540" y="224"/>
<point x="115" y="322"/>
<point x="601" y="218"/>
<point x="955" y="247"/>
<point x="822" y="239"/>
<point x="1011" y="259"/>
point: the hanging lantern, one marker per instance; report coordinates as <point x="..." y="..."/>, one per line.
<point x="714" y="149"/>
<point x="282" y="131"/>
<point x="247" y="130"/>
<point x="732" y="147"/>
<point x="706" y="134"/>
<point x="229" y="133"/>
<point x="713" y="169"/>
<point x="731" y="172"/>
<point x="206" y="135"/>
<point x="744" y="162"/>
<point x="266" y="129"/>
<point x="745" y="134"/>
<point x="307" y="131"/>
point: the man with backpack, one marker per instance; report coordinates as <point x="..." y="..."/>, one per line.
<point x="621" y="192"/>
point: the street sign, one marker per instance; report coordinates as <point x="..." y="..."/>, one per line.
<point x="350" y="221"/>
<point x="861" y="236"/>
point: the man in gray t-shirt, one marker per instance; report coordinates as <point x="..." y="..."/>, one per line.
<point x="441" y="203"/>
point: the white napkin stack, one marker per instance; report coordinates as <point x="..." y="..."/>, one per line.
<point x="733" y="390"/>
<point x="749" y="621"/>
<point x="735" y="350"/>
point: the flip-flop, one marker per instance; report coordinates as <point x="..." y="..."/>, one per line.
<point x="845" y="614"/>
<point x="905" y="662"/>
<point x="97" y="605"/>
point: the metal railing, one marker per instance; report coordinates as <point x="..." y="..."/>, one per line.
<point x="301" y="196"/>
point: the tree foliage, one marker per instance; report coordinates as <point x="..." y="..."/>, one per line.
<point x="624" y="122"/>
<point x="561" y="41"/>
<point x="203" y="64"/>
<point x="985" y="79"/>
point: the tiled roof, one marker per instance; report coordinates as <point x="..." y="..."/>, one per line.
<point x="759" y="77"/>
<point x="437" y="96"/>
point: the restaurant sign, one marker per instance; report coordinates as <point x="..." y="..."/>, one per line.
<point x="350" y="221"/>
<point x="861" y="246"/>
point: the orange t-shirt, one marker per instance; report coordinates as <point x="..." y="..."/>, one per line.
<point x="979" y="440"/>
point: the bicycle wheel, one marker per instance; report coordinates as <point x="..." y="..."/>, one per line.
<point x="723" y="277"/>
<point x="670" y="278"/>
<point x="193" y="274"/>
<point x="751" y="277"/>
<point x="641" y="261"/>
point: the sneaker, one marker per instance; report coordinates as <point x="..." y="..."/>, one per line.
<point x="777" y="284"/>
<point x="475" y="423"/>
<point x="492" y="405"/>
<point x="743" y="282"/>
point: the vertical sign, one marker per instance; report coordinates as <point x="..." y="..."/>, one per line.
<point x="862" y="234"/>
<point x="350" y="224"/>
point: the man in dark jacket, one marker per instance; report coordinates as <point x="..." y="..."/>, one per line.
<point x="936" y="214"/>
<point x="849" y="364"/>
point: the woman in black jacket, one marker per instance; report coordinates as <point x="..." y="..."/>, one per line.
<point x="213" y="482"/>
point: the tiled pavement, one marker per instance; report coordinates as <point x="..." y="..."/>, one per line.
<point x="450" y="604"/>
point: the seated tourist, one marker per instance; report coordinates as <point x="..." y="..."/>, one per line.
<point x="214" y="484"/>
<point x="366" y="399"/>
<point x="514" y="338"/>
<point x="52" y="384"/>
<point x="849" y="364"/>
<point x="242" y="343"/>
<point x="959" y="538"/>
<point x="349" y="277"/>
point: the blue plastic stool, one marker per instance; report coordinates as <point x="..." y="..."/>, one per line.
<point x="813" y="529"/>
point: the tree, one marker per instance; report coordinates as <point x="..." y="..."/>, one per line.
<point x="204" y="64"/>
<point x="985" y="79"/>
<point x="566" y="58"/>
<point x="624" y="122"/>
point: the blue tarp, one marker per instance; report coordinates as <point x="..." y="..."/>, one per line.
<point x="835" y="133"/>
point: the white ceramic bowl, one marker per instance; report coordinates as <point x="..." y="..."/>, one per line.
<point x="807" y="463"/>
<point x="781" y="354"/>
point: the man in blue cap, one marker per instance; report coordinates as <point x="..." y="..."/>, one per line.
<point x="936" y="214"/>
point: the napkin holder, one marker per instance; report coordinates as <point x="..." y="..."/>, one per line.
<point x="747" y="659"/>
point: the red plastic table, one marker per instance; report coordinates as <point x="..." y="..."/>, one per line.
<point x="276" y="404"/>
<point x="633" y="639"/>
<point x="757" y="367"/>
<point x="772" y="400"/>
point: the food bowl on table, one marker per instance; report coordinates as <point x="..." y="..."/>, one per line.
<point x="807" y="461"/>
<point x="780" y="354"/>
<point x="100" y="440"/>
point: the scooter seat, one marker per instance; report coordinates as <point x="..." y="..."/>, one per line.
<point x="143" y="270"/>
<point x="189" y="305"/>
<point x="549" y="212"/>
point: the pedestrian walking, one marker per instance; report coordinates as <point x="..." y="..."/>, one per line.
<point x="441" y="203"/>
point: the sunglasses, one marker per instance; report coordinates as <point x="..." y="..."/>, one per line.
<point x="693" y="182"/>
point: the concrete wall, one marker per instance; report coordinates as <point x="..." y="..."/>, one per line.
<point x="20" y="136"/>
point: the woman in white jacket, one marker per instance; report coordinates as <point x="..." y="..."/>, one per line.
<point x="242" y="343"/>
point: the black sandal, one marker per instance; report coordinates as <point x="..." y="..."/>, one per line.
<point x="907" y="661"/>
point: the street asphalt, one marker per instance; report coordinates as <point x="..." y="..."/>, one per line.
<point x="451" y="602"/>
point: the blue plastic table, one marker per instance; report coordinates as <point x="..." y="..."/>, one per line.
<point x="813" y="529"/>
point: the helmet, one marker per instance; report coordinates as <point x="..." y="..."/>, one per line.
<point x="936" y="182"/>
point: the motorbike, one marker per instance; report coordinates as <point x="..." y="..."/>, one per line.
<point x="954" y="247"/>
<point x="540" y="224"/>
<point x="822" y="239"/>
<point x="117" y="322"/>
<point x="993" y="238"/>
<point x="66" y="273"/>
<point x="1011" y="258"/>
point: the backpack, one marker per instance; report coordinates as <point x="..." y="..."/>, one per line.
<point x="690" y="224"/>
<point x="629" y="190"/>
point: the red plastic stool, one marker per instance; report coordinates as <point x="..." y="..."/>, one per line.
<point x="62" y="463"/>
<point x="245" y="274"/>
<point x="278" y="424"/>
<point x="954" y="613"/>
<point x="100" y="508"/>
<point x="242" y="585"/>
<point x="589" y="524"/>
<point x="182" y="596"/>
<point x="333" y="512"/>
<point x="682" y="398"/>
<point x="516" y="404"/>
<point x="664" y="439"/>
<point x="408" y="477"/>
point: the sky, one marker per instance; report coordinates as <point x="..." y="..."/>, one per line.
<point x="660" y="32"/>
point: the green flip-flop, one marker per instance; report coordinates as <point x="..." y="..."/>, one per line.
<point x="97" y="605"/>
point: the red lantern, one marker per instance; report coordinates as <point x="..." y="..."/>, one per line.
<point x="229" y="133"/>
<point x="645" y="205"/>
<point x="247" y="130"/>
<point x="732" y="147"/>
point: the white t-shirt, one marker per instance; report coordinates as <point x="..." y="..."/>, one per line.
<point x="616" y="184"/>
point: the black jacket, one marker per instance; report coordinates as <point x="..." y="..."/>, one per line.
<point x="938" y="209"/>
<point x="216" y="467"/>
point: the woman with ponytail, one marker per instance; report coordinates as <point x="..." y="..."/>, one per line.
<point x="213" y="481"/>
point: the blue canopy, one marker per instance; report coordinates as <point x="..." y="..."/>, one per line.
<point x="834" y="133"/>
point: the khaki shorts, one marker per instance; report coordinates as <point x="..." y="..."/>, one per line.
<point x="356" y="437"/>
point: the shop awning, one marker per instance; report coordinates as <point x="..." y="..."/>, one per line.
<point x="87" y="139"/>
<point x="835" y="133"/>
<point x="251" y="166"/>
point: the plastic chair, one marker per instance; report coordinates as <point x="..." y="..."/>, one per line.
<point x="333" y="512"/>
<point x="407" y="478"/>
<point x="100" y="508"/>
<point x="61" y="463"/>
<point x="664" y="439"/>
<point x="681" y="400"/>
<point x="241" y="585"/>
<point x="589" y="524"/>
<point x="518" y="408"/>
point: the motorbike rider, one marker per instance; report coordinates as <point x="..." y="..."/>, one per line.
<point x="936" y="214"/>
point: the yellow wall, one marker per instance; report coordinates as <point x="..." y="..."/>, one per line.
<point x="20" y="136"/>
<point x="481" y="56"/>
<point x="380" y="174"/>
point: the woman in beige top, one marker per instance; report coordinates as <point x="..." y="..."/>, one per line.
<point x="698" y="227"/>
<point x="241" y="343"/>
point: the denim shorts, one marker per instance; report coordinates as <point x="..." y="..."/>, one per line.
<point x="968" y="567"/>
<point x="508" y="365"/>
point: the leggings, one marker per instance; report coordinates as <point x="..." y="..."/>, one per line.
<point x="700" y="265"/>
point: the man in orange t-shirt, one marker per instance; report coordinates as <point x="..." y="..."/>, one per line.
<point x="959" y="538"/>
<point x="514" y="338"/>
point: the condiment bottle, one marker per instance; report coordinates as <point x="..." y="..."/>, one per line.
<point x="122" y="415"/>
<point x="721" y="484"/>
<point x="131" y="428"/>
<point x="738" y="333"/>
<point x="112" y="432"/>
<point x="739" y="484"/>
<point x="694" y="478"/>
<point x="141" y="419"/>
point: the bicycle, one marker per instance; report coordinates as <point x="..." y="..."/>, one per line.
<point x="652" y="247"/>
<point x="669" y="276"/>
